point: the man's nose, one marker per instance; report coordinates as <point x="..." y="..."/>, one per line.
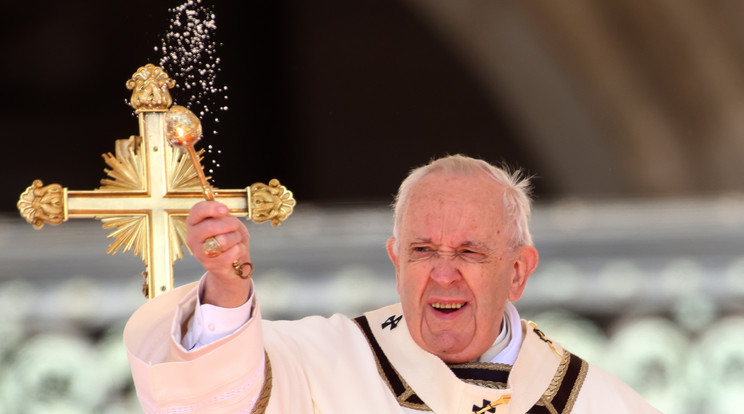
<point x="445" y="271"/>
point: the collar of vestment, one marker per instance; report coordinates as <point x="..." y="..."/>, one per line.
<point x="422" y="381"/>
<point x="506" y="346"/>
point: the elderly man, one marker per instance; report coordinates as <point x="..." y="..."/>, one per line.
<point x="462" y="253"/>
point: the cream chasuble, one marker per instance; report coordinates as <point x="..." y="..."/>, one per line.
<point x="338" y="365"/>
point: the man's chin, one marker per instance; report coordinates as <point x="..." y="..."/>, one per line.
<point x="458" y="358"/>
<point x="450" y="350"/>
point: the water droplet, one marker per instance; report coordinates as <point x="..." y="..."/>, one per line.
<point x="189" y="55"/>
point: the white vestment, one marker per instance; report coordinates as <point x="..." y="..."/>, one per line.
<point x="339" y="365"/>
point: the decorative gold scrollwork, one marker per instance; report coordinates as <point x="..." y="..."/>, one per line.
<point x="149" y="87"/>
<point x="41" y="204"/>
<point x="271" y="202"/>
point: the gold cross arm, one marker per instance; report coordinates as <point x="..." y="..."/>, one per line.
<point x="151" y="187"/>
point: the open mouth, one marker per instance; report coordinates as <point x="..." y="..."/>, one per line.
<point x="448" y="307"/>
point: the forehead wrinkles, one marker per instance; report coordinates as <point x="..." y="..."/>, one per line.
<point x="456" y="214"/>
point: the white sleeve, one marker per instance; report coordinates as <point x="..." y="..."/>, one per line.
<point x="210" y="323"/>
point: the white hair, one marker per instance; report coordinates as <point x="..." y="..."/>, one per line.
<point x="517" y="191"/>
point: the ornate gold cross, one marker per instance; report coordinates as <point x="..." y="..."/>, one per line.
<point x="150" y="189"/>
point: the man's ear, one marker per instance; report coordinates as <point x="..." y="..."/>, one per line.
<point x="392" y="252"/>
<point x="393" y="255"/>
<point x="525" y="262"/>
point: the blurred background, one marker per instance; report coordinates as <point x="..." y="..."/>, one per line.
<point x="630" y="115"/>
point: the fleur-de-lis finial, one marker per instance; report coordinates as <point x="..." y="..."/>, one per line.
<point x="41" y="204"/>
<point x="150" y="85"/>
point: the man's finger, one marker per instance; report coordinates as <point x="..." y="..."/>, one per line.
<point x="206" y="209"/>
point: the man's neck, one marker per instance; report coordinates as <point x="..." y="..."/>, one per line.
<point x="506" y="346"/>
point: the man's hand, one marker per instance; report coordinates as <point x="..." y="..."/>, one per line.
<point x="222" y="286"/>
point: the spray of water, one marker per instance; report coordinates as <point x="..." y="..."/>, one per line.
<point x="188" y="53"/>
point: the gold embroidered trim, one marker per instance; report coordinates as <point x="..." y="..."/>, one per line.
<point x="577" y="387"/>
<point x="263" y="399"/>
<point x="560" y="373"/>
<point x="408" y="390"/>
<point x="546" y="400"/>
<point x="486" y="384"/>
<point x="485" y="366"/>
<point x="548" y="406"/>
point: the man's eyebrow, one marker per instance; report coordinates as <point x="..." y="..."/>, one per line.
<point x="474" y="244"/>
<point x="467" y="243"/>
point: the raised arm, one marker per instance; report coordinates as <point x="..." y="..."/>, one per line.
<point x="223" y="374"/>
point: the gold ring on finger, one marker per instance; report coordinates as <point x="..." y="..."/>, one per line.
<point x="212" y="247"/>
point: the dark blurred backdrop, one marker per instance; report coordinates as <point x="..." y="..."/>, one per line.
<point x="339" y="99"/>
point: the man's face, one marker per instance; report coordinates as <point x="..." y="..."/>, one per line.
<point x="453" y="300"/>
